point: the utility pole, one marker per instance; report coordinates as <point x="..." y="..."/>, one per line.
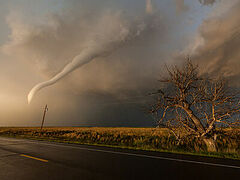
<point x="44" y="114"/>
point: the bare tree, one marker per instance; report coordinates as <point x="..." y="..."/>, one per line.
<point x="190" y="104"/>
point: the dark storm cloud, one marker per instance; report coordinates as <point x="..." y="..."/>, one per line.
<point x="111" y="90"/>
<point x="113" y="80"/>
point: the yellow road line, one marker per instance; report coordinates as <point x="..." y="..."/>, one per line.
<point x="39" y="159"/>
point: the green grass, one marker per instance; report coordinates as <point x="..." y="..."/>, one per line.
<point x="150" y="139"/>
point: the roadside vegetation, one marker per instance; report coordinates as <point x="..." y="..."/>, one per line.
<point x="154" y="139"/>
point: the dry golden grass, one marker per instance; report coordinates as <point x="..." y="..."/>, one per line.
<point x="228" y="140"/>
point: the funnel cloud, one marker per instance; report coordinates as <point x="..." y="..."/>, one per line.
<point x="118" y="34"/>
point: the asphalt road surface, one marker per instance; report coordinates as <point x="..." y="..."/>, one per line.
<point x="22" y="159"/>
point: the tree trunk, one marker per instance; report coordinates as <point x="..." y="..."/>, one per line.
<point x="211" y="145"/>
<point x="195" y="120"/>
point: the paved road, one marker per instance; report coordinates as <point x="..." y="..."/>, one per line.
<point x="27" y="159"/>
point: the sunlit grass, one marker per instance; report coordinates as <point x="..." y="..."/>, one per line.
<point x="155" y="139"/>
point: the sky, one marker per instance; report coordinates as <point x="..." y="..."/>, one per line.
<point x="130" y="46"/>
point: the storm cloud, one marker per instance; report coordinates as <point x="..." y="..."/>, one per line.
<point x="217" y="44"/>
<point x="111" y="89"/>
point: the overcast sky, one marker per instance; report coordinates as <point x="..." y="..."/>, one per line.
<point x="38" y="38"/>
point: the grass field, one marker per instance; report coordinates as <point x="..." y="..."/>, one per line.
<point x="154" y="139"/>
